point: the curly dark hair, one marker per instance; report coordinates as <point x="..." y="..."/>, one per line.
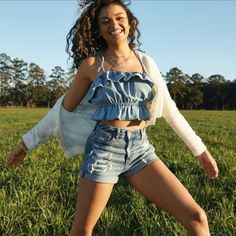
<point x="84" y="40"/>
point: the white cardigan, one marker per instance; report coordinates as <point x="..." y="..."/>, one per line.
<point x="72" y="128"/>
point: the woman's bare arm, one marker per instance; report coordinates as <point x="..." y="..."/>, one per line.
<point x="84" y="77"/>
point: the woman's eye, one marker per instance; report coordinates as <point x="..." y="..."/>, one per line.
<point x="104" y="22"/>
<point x="120" y="18"/>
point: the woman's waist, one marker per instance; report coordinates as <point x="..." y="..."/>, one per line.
<point x="122" y="116"/>
<point x="125" y="124"/>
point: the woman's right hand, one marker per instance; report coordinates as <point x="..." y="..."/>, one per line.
<point x="17" y="155"/>
<point x="209" y="164"/>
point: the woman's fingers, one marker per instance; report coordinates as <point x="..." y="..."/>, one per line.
<point x="16" y="157"/>
<point x="209" y="164"/>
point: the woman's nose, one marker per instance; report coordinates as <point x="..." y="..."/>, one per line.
<point x="114" y="23"/>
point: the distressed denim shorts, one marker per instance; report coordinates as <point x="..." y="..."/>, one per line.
<point x="111" y="152"/>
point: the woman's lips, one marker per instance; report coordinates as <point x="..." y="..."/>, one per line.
<point x="116" y="32"/>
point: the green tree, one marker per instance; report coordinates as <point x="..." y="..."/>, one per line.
<point x="176" y="84"/>
<point x="59" y="74"/>
<point x="57" y="85"/>
<point x="231" y="98"/>
<point x="36" y="75"/>
<point x="36" y="90"/>
<point x="217" y="91"/>
<point x="194" y="96"/>
<point x="70" y="75"/>
<point x="19" y="77"/>
<point x="5" y="77"/>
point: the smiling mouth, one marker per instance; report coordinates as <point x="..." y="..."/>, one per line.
<point x="116" y="32"/>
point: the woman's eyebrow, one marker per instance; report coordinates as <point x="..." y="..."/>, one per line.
<point x="106" y="17"/>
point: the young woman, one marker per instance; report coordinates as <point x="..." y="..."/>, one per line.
<point x="116" y="94"/>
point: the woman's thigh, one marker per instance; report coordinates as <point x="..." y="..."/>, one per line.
<point x="91" y="201"/>
<point x="159" y="185"/>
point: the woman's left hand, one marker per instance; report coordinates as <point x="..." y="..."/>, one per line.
<point x="17" y="155"/>
<point x="209" y="164"/>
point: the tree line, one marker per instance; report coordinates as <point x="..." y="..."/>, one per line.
<point x="197" y="92"/>
<point x="26" y="84"/>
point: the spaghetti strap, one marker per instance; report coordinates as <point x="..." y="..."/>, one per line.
<point x="101" y="59"/>
<point x="143" y="67"/>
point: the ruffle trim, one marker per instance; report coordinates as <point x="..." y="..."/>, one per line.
<point x="115" y="76"/>
<point x="121" y="111"/>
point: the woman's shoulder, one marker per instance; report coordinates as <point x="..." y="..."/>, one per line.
<point x="94" y="58"/>
<point x="90" y="65"/>
<point x="144" y="56"/>
<point x="146" y="59"/>
<point x="89" y="61"/>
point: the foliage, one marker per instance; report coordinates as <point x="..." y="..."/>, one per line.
<point x="196" y="92"/>
<point x="27" y="85"/>
<point x="39" y="197"/>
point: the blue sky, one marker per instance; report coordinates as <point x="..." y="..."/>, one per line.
<point x="196" y="36"/>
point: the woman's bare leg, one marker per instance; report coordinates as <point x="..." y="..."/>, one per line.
<point x="92" y="199"/>
<point x="159" y="185"/>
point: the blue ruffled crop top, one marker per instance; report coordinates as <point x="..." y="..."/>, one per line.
<point x="121" y="95"/>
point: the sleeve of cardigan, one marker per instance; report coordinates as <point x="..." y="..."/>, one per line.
<point x="179" y="124"/>
<point x="173" y="116"/>
<point x="41" y="132"/>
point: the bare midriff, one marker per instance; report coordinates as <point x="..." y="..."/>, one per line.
<point x="126" y="124"/>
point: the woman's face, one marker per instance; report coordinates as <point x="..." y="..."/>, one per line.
<point x="113" y="23"/>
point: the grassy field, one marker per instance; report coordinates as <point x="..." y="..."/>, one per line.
<point x="39" y="197"/>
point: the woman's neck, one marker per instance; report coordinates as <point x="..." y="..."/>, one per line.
<point x="118" y="51"/>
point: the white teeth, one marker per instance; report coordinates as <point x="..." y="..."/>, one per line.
<point x="116" y="32"/>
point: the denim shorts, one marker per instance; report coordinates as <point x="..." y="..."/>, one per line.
<point x="111" y="152"/>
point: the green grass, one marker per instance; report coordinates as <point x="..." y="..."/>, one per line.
<point x="39" y="197"/>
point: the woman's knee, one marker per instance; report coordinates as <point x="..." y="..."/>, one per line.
<point x="200" y="216"/>
<point x="198" y="219"/>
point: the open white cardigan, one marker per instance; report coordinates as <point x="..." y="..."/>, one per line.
<point x="73" y="128"/>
